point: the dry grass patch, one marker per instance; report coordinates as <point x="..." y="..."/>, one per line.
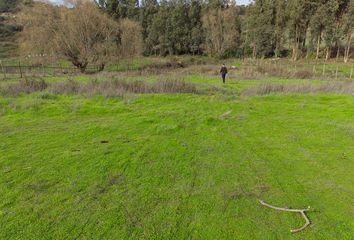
<point x="106" y="88"/>
<point x="23" y="86"/>
<point x="345" y="88"/>
<point x="121" y="87"/>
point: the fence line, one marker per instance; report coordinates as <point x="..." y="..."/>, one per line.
<point x="20" y="71"/>
<point x="316" y="69"/>
<point x="320" y="70"/>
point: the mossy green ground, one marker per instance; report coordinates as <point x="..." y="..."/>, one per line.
<point x="175" y="166"/>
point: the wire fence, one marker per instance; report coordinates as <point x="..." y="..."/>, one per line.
<point x="269" y="67"/>
<point x="304" y="69"/>
<point x="20" y="71"/>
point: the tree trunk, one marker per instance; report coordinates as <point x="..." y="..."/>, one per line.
<point x="296" y="45"/>
<point x="101" y="67"/>
<point x="254" y="54"/>
<point x="347" y="49"/>
<point x="318" y="46"/>
<point x="338" y="50"/>
<point x="328" y="53"/>
<point x="295" y="52"/>
<point x="80" y="66"/>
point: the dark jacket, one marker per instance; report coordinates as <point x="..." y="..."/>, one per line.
<point x="223" y="70"/>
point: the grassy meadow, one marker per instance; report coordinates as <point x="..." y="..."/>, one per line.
<point x="178" y="165"/>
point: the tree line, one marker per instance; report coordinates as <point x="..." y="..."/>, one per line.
<point x="98" y="31"/>
<point x="265" y="28"/>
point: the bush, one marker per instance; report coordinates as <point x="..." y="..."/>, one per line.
<point x="67" y="87"/>
<point x="113" y="88"/>
<point x="303" y="74"/>
<point x="24" y="86"/>
<point x="269" y="88"/>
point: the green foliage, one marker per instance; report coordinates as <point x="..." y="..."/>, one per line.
<point x="265" y="28"/>
<point x="11" y="5"/>
<point x="8" y="30"/>
<point x="176" y="28"/>
<point x="260" y="20"/>
<point x="7" y="5"/>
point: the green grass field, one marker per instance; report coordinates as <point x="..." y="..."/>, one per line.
<point x="176" y="166"/>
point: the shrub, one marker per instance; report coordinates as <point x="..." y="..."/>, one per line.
<point x="67" y="87"/>
<point x="24" y="86"/>
<point x="269" y="88"/>
<point x="303" y="74"/>
<point x="113" y="88"/>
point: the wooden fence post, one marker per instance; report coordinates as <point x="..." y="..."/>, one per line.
<point x="351" y="72"/>
<point x="324" y="69"/>
<point x="337" y="72"/>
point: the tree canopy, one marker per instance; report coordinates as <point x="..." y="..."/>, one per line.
<point x="265" y="28"/>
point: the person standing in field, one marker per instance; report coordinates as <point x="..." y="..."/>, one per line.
<point x="223" y="72"/>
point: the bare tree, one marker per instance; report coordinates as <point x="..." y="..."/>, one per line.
<point x="131" y="39"/>
<point x="221" y="31"/>
<point x="82" y="34"/>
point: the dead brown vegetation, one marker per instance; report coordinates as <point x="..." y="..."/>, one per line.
<point x="82" y="34"/>
<point x="254" y="72"/>
<point x="109" y="88"/>
<point x="346" y="88"/>
<point x="23" y="86"/>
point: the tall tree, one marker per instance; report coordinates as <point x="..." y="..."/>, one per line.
<point x="299" y="15"/>
<point x="322" y="25"/>
<point x="82" y="35"/>
<point x="330" y="32"/>
<point x="222" y="32"/>
<point x="348" y="29"/>
<point x="280" y="25"/>
<point x="148" y="9"/>
<point x="195" y="29"/>
<point x="260" y="28"/>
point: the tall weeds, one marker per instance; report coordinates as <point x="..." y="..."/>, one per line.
<point x="346" y="88"/>
<point x="106" y="88"/>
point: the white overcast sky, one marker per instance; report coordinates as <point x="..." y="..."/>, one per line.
<point x="239" y="2"/>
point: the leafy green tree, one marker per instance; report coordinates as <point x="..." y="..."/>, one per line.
<point x="330" y="26"/>
<point x="11" y="5"/>
<point x="148" y="9"/>
<point x="299" y="15"/>
<point x="280" y="26"/>
<point x="196" y="29"/>
<point x="322" y="24"/>
<point x="260" y="28"/>
<point x="338" y="31"/>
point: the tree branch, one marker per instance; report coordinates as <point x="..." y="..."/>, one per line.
<point x="302" y="211"/>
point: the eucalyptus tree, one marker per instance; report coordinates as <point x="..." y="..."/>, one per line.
<point x="299" y="16"/>
<point x="348" y="29"/>
<point x="261" y="34"/>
